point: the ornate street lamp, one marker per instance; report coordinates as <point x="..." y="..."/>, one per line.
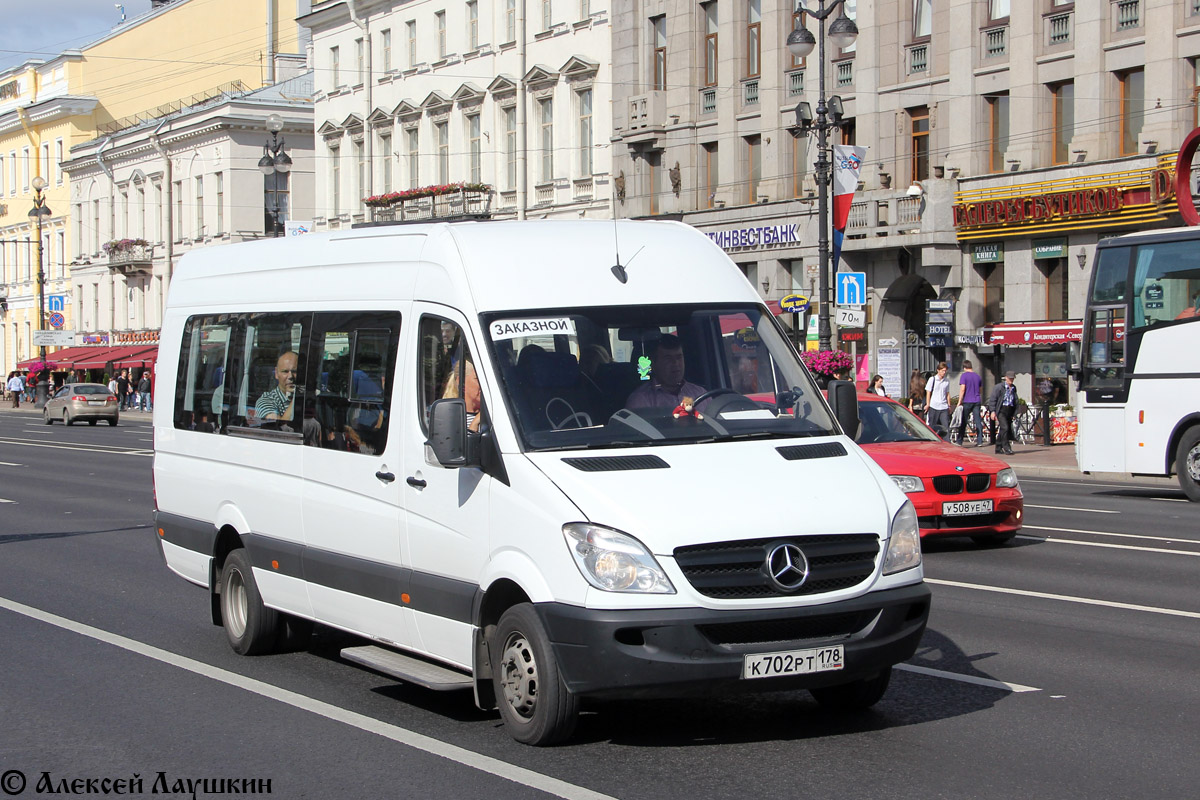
<point x="36" y="216"/>
<point x="800" y="42"/>
<point x="275" y="161"/>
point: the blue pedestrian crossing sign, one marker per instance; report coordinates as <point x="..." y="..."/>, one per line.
<point x="851" y="288"/>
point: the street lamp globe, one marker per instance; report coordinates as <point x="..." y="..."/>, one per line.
<point x="274" y="123"/>
<point x="842" y="32"/>
<point x="801" y="42"/>
<point x="266" y="164"/>
<point x="39" y="183"/>
<point x="283" y="162"/>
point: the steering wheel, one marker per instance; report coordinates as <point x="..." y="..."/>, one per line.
<point x="712" y="393"/>
<point x="730" y="400"/>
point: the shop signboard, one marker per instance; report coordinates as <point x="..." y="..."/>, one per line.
<point x="889" y="364"/>
<point x="988" y="253"/>
<point x="796" y="303"/>
<point x="53" y="338"/>
<point x="1050" y="248"/>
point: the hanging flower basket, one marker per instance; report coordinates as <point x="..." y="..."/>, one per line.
<point x="396" y="198"/>
<point x="124" y="245"/>
<point x="826" y="363"/>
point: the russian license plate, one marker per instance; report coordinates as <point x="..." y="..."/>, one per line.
<point x="963" y="508"/>
<point x="792" y="662"/>
<point x="96" y="402"/>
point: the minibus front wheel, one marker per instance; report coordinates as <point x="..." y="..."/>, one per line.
<point x="535" y="704"/>
<point x="251" y="627"/>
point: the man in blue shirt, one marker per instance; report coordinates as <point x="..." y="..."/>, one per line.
<point x="1003" y="405"/>
<point x="969" y="397"/>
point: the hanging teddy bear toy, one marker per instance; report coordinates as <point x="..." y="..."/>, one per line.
<point x="687" y="408"/>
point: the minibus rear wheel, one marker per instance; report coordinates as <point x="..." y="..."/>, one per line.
<point x="854" y="696"/>
<point x="535" y="704"/>
<point x="252" y="628"/>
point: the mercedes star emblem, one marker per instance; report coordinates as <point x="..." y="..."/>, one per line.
<point x="787" y="567"/>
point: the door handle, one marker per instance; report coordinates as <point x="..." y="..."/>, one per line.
<point x="386" y="477"/>
<point x="418" y="483"/>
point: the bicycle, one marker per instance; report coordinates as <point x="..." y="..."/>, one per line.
<point x="1025" y="424"/>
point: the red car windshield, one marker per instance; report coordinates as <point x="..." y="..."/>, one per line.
<point x="890" y="422"/>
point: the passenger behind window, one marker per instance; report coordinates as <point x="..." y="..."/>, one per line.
<point x="368" y="415"/>
<point x="471" y="392"/>
<point x="277" y="404"/>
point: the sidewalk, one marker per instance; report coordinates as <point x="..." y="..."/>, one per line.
<point x="1058" y="461"/>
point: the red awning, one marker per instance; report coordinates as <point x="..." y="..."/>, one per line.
<point x="143" y="357"/>
<point x="1028" y="334"/>
<point x="99" y="357"/>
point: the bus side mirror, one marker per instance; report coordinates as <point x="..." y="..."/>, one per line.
<point x="448" y="431"/>
<point x="844" y="402"/>
<point x="1074" y="359"/>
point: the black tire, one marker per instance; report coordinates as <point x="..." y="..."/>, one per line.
<point x="992" y="539"/>
<point x="535" y="704"/>
<point x="46" y="416"/>
<point x="92" y="421"/>
<point x="252" y="628"/>
<point x="112" y="423"/>
<point x="67" y="418"/>
<point x="1187" y="464"/>
<point x="854" y="696"/>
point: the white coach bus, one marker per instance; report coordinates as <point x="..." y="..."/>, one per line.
<point x="1139" y="380"/>
<point x="469" y="445"/>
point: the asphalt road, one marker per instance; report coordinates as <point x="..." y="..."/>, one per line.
<point x="1060" y="666"/>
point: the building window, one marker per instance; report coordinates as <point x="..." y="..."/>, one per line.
<point x="141" y="207"/>
<point x="547" y="16"/>
<point x="441" y="33"/>
<point x="335" y="179"/>
<point x="922" y="19"/>
<point x="1195" y="98"/>
<point x="335" y="67"/>
<point x="658" y="29"/>
<point x="177" y="186"/>
<point x="1133" y="108"/>
<point x="25" y="169"/>
<point x="1" y="175"/>
<point x="385" y="149"/>
<point x="510" y="20"/>
<point x="753" y="167"/>
<point x="753" y="38"/>
<point x="45" y="165"/>
<point x="275" y="202"/>
<point x="510" y="146"/>
<point x="199" y="206"/>
<point x="997" y="131"/>
<point x="476" y="148"/>
<point x="653" y="176"/>
<point x="586" y="139"/>
<point x="411" y="28"/>
<point x="1057" y="286"/>
<point x="851" y="9"/>
<point x="442" y="129"/>
<point x="414" y="160"/>
<point x="920" y="142"/>
<point x="993" y="291"/>
<point x="360" y="174"/>
<point x="546" y="121"/>
<point x="360" y="62"/>
<point x="712" y="179"/>
<point x="998" y="10"/>
<point x="1063" y="106"/>
<point x="385" y="47"/>
<point x="710" y="43"/>
<point x="799" y="164"/>
<point x="220" y="198"/>
<point x="58" y="159"/>
<point x="585" y="9"/>
<point x="473" y="25"/>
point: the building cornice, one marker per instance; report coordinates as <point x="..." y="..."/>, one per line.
<point x="46" y="111"/>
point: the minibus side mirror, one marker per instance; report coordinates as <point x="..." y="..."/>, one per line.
<point x="448" y="431"/>
<point x="843" y="399"/>
<point x="1074" y="359"/>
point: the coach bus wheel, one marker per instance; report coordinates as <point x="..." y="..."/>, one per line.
<point x="251" y="627"/>
<point x="1187" y="464"/>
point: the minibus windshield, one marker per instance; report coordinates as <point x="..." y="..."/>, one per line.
<point x="621" y="376"/>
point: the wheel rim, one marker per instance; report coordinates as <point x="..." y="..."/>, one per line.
<point x="519" y="675"/>
<point x="234" y="602"/>
<point x="1193" y="463"/>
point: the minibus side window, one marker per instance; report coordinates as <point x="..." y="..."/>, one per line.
<point x="269" y="391"/>
<point x="353" y="365"/>
<point x="203" y="363"/>
<point x="447" y="370"/>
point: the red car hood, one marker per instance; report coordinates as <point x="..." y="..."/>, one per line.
<point x="927" y="459"/>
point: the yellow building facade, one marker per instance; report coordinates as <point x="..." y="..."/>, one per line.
<point x="179" y="54"/>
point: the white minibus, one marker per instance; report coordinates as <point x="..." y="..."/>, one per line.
<point x="541" y="461"/>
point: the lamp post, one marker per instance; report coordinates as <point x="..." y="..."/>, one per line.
<point x="275" y="161"/>
<point x="36" y="215"/>
<point x="800" y="42"/>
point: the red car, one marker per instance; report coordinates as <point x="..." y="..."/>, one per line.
<point x="957" y="491"/>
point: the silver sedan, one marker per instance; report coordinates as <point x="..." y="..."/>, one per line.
<point x="82" y="401"/>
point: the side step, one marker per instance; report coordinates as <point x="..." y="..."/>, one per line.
<point x="409" y="669"/>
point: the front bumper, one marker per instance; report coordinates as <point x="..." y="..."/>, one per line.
<point x="1007" y="515"/>
<point x="678" y="652"/>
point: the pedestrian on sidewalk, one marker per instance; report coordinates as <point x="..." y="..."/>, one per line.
<point x="937" y="400"/>
<point x="1003" y="405"/>
<point x="144" y="391"/>
<point x="969" y="398"/>
<point x="124" y="391"/>
<point x="15" y="386"/>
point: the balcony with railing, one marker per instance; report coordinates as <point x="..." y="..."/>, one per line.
<point x="917" y="59"/>
<point x="647" y="119"/>
<point x="845" y="73"/>
<point x="750" y="92"/>
<point x="469" y="203"/>
<point x="796" y="82"/>
<point x="1127" y="14"/>
<point x="995" y="42"/>
<point x="1058" y="28"/>
<point x="130" y="257"/>
<point x="708" y="101"/>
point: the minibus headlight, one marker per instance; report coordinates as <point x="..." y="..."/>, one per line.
<point x="904" y="542"/>
<point x="908" y="483"/>
<point x="614" y="561"/>
<point x="1007" y="479"/>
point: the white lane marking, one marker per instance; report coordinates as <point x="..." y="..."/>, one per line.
<point x="10" y="464"/>
<point x="1174" y="612"/>
<point x="1111" y="533"/>
<point x="2" y="500"/>
<point x="1113" y="546"/>
<point x="403" y="736"/>
<point x="1067" y="508"/>
<point x="1172" y="499"/>
<point x="955" y="676"/>
<point x="85" y="449"/>
<point x="1096" y="484"/>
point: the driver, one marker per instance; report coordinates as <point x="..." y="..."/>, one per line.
<point x="666" y="387"/>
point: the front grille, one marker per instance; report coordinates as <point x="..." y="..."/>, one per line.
<point x="939" y="522"/>
<point x="787" y="630"/>
<point x="953" y="484"/>
<point x="979" y="482"/>
<point x="735" y="570"/>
